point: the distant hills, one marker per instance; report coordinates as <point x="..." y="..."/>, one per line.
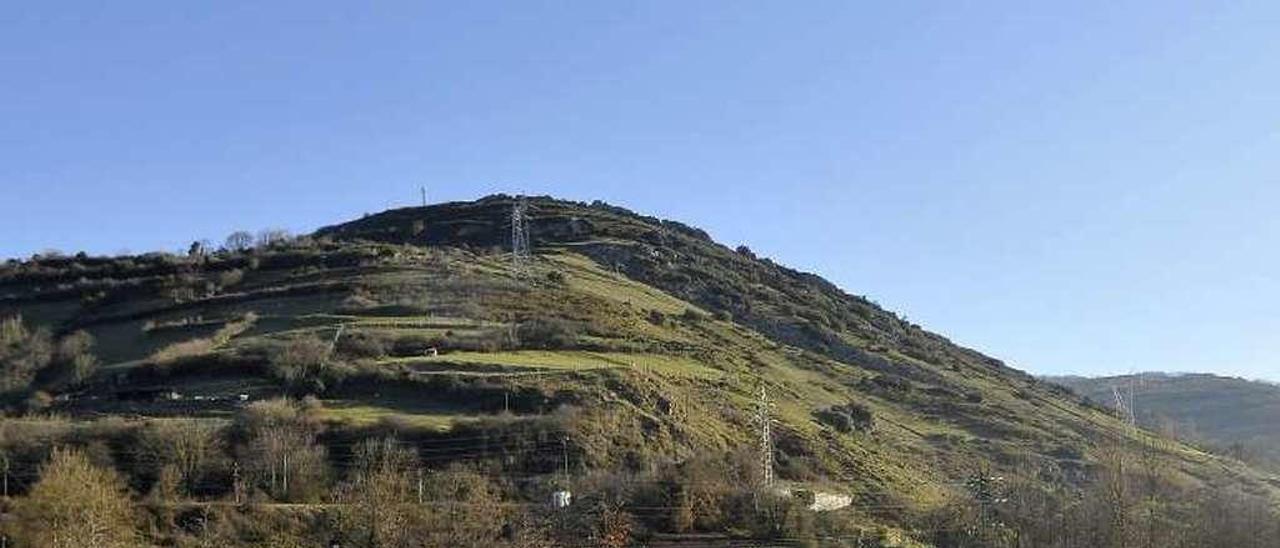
<point x="1231" y="415"/>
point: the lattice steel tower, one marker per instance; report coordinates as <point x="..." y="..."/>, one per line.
<point x="766" y="438"/>
<point x="520" y="251"/>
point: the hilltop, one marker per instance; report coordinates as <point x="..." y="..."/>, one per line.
<point x="629" y="345"/>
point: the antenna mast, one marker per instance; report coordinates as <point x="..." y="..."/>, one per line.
<point x="520" y="253"/>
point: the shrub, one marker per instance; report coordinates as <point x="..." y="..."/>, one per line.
<point x="363" y="344"/>
<point x="73" y="358"/>
<point x="547" y="333"/>
<point x="38" y="401"/>
<point x="693" y="316"/>
<point x="179" y="350"/>
<point x="23" y="352"/>
<point x="302" y="364"/>
<point x="847" y="418"/>
<point x="228" y="278"/>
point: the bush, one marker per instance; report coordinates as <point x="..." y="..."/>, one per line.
<point x="693" y="316"/>
<point x="38" y="401"/>
<point x="847" y="418"/>
<point x="302" y="364"/>
<point x="73" y="358"/>
<point x="23" y="352"/>
<point x="229" y="278"/>
<point x="548" y="334"/>
<point x="363" y="344"/>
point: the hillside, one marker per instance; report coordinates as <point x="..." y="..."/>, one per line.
<point x="632" y="346"/>
<point x="1233" y="416"/>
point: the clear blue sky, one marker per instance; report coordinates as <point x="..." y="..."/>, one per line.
<point x="1084" y="187"/>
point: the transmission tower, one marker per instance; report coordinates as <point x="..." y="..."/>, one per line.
<point x="1124" y="406"/>
<point x="766" y="438"/>
<point x="520" y="254"/>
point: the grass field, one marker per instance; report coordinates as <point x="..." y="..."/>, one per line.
<point x="568" y="360"/>
<point x="363" y="413"/>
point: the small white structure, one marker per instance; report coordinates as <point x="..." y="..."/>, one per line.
<point x="826" y="502"/>
<point x="561" y="499"/>
<point x="244" y="397"/>
<point x="432" y="352"/>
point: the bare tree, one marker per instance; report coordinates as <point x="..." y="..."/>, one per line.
<point x="272" y="237"/>
<point x="239" y="241"/>
<point x="467" y="509"/>
<point x="192" y="449"/>
<point x="76" y="504"/>
<point x="279" y="452"/>
<point x="379" y="506"/>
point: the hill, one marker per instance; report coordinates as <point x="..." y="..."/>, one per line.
<point x="1231" y="415"/>
<point x="632" y="359"/>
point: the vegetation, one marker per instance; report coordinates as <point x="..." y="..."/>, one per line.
<point x="1229" y="416"/>
<point x="75" y="504"/>
<point x="392" y="382"/>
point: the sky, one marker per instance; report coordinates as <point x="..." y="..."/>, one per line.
<point x="1074" y="187"/>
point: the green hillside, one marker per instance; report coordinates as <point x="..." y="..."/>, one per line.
<point x="630" y="347"/>
<point x="1233" y="416"/>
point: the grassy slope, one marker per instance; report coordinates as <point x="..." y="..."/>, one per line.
<point x="643" y="388"/>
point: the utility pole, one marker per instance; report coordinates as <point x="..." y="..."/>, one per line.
<point x="334" y="343"/>
<point x="418" y="472"/>
<point x="236" y="487"/>
<point x="986" y="490"/>
<point x="564" y="449"/>
<point x="285" y="475"/>
<point x="424" y="195"/>
<point x="766" y="438"/>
